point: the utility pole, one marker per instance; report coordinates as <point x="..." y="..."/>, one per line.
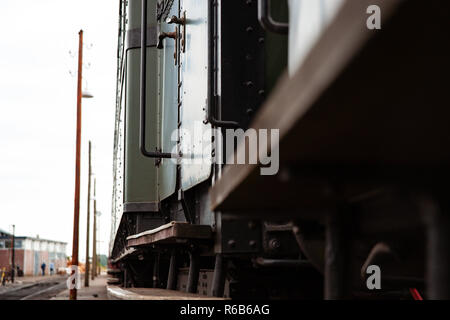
<point x="13" y="253"/>
<point x="76" y="214"/>
<point x="86" y="274"/>
<point x="94" y="244"/>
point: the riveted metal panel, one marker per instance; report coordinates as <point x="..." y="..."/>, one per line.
<point x="193" y="77"/>
<point x="243" y="61"/>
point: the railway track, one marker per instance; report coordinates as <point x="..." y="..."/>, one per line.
<point x="44" y="290"/>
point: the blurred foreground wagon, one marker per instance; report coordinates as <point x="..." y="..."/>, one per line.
<point x="357" y="91"/>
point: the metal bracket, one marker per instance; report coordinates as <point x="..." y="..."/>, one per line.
<point x="240" y="236"/>
<point x="164" y="35"/>
<point x="171" y="35"/>
<point x="185" y="205"/>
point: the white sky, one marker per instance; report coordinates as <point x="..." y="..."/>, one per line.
<point x="38" y="115"/>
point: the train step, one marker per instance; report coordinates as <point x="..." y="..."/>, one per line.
<point x="113" y="281"/>
<point x="173" y="232"/>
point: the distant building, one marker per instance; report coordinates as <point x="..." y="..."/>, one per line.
<point x="31" y="252"/>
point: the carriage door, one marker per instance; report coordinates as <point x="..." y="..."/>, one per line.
<point x="195" y="134"/>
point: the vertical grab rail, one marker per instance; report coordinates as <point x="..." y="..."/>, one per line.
<point x="266" y="20"/>
<point x="212" y="64"/>
<point x="143" y="93"/>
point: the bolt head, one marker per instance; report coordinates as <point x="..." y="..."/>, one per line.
<point x="274" y="244"/>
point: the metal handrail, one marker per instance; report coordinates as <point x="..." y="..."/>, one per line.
<point x="143" y="93"/>
<point x="266" y="20"/>
<point x="212" y="64"/>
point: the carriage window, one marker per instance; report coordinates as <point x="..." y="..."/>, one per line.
<point x="7" y="244"/>
<point x="18" y="244"/>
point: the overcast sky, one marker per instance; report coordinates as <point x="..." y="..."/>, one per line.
<point x="38" y="114"/>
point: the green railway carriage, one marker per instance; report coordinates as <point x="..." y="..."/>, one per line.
<point x="199" y="80"/>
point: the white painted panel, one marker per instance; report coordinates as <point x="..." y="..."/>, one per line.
<point x="168" y="108"/>
<point x="28" y="244"/>
<point x="308" y="19"/>
<point x="194" y="78"/>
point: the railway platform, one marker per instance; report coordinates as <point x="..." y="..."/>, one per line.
<point x="95" y="291"/>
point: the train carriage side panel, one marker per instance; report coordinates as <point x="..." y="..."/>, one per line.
<point x="140" y="186"/>
<point x="194" y="91"/>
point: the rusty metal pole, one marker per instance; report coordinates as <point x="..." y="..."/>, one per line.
<point x="94" y="240"/>
<point x="86" y="273"/>
<point x="76" y="214"/>
<point x="13" y="269"/>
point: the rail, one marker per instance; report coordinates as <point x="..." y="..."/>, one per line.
<point x="143" y="91"/>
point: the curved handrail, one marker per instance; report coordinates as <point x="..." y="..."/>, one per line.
<point x="266" y="20"/>
<point x="212" y="102"/>
<point x="143" y="88"/>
